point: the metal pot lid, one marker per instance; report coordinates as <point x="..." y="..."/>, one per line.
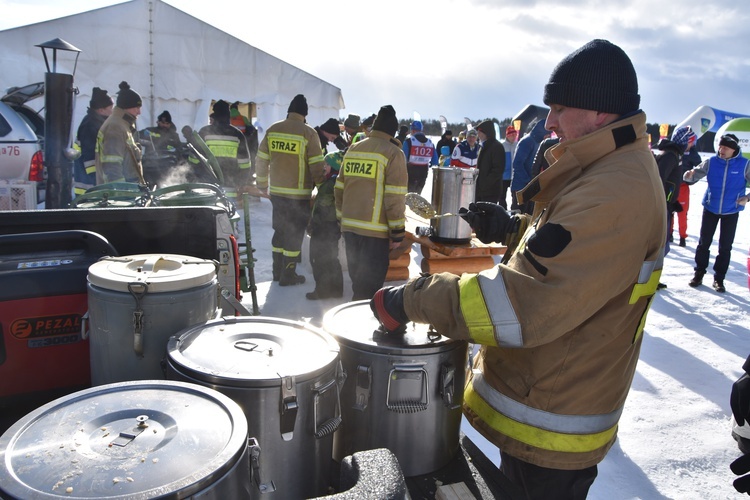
<point x="161" y="272"/>
<point x="252" y="351"/>
<point x="128" y="440"/>
<point x="354" y="325"/>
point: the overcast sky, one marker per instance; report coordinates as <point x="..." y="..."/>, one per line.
<point x="477" y="58"/>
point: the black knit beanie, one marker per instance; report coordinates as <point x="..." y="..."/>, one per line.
<point x="599" y="77"/>
<point x="221" y="110"/>
<point x="386" y="120"/>
<point x="100" y="99"/>
<point x="165" y="116"/>
<point x="730" y="141"/>
<point x="331" y="126"/>
<point x="127" y="97"/>
<point x="298" y="105"/>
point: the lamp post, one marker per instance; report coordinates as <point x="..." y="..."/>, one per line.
<point x="59" y="94"/>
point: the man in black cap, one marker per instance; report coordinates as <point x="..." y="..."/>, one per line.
<point x="290" y="154"/>
<point x="229" y="147"/>
<point x="84" y="168"/>
<point x="561" y="322"/>
<point x="162" y="139"/>
<point x="118" y="154"/>
<point x="370" y="203"/>
<point x="328" y="132"/>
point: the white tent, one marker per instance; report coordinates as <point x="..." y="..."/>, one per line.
<point x="175" y="61"/>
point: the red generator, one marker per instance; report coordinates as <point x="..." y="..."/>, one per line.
<point x="42" y="301"/>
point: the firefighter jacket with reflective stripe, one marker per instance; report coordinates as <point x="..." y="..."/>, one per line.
<point x="290" y="154"/>
<point x="371" y="188"/>
<point x="118" y="155"/>
<point x="227" y="144"/>
<point x="561" y="324"/>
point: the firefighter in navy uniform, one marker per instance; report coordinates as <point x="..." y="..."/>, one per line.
<point x="84" y="168"/>
<point x="229" y="147"/>
<point x="289" y="165"/>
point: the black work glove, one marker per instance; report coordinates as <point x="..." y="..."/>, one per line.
<point x="739" y="467"/>
<point x="388" y="307"/>
<point x="488" y="220"/>
<point x="676" y="206"/>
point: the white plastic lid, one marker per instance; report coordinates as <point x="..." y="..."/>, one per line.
<point x="162" y="272"/>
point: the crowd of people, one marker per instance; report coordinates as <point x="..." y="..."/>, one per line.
<point x="548" y="385"/>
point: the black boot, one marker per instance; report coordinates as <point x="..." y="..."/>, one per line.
<point x="277" y="263"/>
<point x="697" y="279"/>
<point x="719" y="286"/>
<point x="289" y="275"/>
<point x="682" y="242"/>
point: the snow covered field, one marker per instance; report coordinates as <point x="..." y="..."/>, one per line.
<point x="674" y="439"/>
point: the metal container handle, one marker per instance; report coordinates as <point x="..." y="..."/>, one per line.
<point x="408" y="406"/>
<point x="447" y="386"/>
<point x="332" y="424"/>
<point x="138" y="314"/>
<point x="255" y="474"/>
<point x="85" y="326"/>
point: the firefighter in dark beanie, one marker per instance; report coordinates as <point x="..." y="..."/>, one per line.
<point x="290" y="155"/>
<point x="229" y="147"/>
<point x="118" y="154"/>
<point x="370" y="203"/>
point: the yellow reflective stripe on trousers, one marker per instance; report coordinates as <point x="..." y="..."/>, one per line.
<point x="545" y="430"/>
<point x="90" y="166"/>
<point x="487" y="309"/>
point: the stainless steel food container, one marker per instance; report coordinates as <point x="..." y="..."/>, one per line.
<point x="401" y="392"/>
<point x="145" y="439"/>
<point x="284" y="375"/>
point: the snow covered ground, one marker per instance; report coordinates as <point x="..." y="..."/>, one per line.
<point x="674" y="439"/>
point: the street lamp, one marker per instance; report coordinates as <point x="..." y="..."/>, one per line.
<point x="59" y="154"/>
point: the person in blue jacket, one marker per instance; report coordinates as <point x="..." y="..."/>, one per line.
<point x="523" y="161"/>
<point x="727" y="173"/>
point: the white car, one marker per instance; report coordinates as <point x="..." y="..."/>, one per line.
<point x="22" y="138"/>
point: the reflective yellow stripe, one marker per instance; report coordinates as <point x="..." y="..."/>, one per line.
<point x="223" y="148"/>
<point x="390" y="189"/>
<point x="536" y="436"/>
<point x="360" y="224"/>
<point x="475" y="311"/>
<point x="291" y="254"/>
<point x="282" y="190"/>
<point x="315" y="159"/>
<point x="110" y="159"/>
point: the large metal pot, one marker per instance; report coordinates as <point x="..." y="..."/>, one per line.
<point x="149" y="439"/>
<point x="284" y="375"/>
<point x="402" y="392"/>
<point x="452" y="188"/>
<point x="136" y="303"/>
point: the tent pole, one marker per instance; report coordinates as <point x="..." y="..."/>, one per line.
<point x="152" y="115"/>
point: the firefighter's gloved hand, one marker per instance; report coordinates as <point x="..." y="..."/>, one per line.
<point x="741" y="467"/>
<point x="388" y="307"/>
<point x="675" y="206"/>
<point x="488" y="220"/>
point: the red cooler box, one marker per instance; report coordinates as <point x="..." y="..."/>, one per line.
<point x="42" y="300"/>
